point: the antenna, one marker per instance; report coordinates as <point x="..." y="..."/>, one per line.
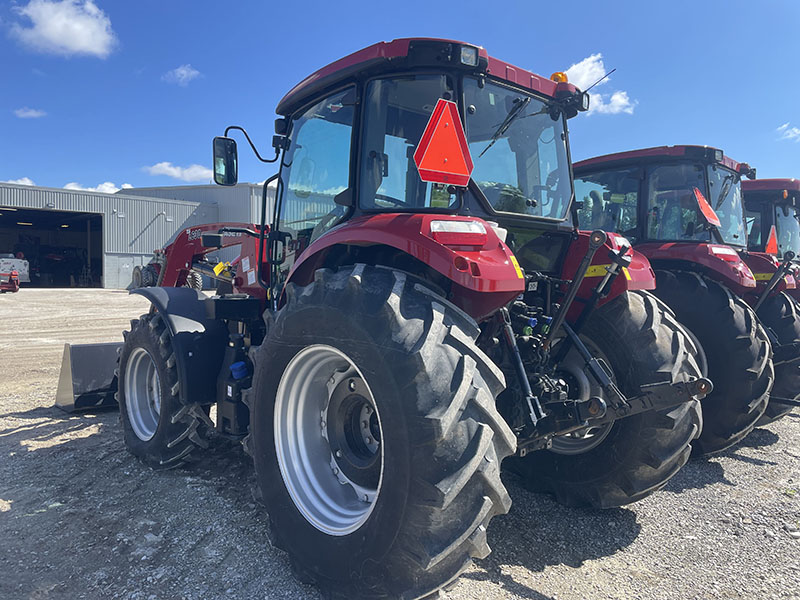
<point x="601" y="79"/>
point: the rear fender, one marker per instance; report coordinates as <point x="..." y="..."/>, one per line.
<point x="484" y="277"/>
<point x="198" y="341"/>
<point x="716" y="261"/>
<point x="638" y="276"/>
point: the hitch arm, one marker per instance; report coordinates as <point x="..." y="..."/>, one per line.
<point x="534" y="407"/>
<point x="775" y="279"/>
<point x="596" y="239"/>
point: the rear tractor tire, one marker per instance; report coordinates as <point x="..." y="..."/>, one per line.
<point x="737" y="349"/>
<point x="158" y="427"/>
<point x="626" y="460"/>
<point x="376" y="440"/>
<point x="781" y="314"/>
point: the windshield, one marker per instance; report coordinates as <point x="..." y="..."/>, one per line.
<point x="788" y="229"/>
<point x="519" y="151"/>
<point x="726" y="200"/>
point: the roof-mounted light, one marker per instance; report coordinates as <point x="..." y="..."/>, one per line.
<point x="559" y="77"/>
<point x="469" y="56"/>
<point x="718" y="155"/>
<point x="785" y="194"/>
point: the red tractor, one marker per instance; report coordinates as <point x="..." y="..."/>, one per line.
<point x="372" y="328"/>
<point x="181" y="262"/>
<point x="9" y="282"/>
<point x="682" y="207"/>
<point x="773" y="232"/>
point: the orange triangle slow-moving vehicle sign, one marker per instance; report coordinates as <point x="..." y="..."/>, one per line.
<point x="442" y="155"/>
<point x="706" y="209"/>
<point x="772" y="242"/>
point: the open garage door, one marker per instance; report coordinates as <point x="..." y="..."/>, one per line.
<point x="63" y="249"/>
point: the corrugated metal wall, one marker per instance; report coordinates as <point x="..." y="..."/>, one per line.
<point x="133" y="225"/>
<point x="239" y="203"/>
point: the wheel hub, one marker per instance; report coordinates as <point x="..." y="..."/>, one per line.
<point x="328" y="439"/>
<point x="582" y="386"/>
<point x="142" y="394"/>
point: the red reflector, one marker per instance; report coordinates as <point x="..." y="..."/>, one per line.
<point x="772" y="242"/>
<point x="706" y="209"/>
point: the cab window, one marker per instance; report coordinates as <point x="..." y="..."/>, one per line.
<point x="396" y="112"/>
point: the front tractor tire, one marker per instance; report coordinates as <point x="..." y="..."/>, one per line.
<point x="375" y="437"/>
<point x="158" y="427"/>
<point x="781" y="314"/>
<point x="737" y="351"/>
<point x="626" y="460"/>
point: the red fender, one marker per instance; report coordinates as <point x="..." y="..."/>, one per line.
<point x="719" y="262"/>
<point x="638" y="276"/>
<point x="764" y="266"/>
<point x="485" y="274"/>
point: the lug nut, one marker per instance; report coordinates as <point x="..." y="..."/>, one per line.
<point x="352" y="385"/>
<point x="338" y="454"/>
<point x="335" y="471"/>
<point x="368" y="440"/>
<point x="364" y="424"/>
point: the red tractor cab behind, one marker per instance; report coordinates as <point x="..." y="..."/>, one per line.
<point x="681" y="206"/>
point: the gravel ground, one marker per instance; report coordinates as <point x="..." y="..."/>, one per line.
<point x="81" y="518"/>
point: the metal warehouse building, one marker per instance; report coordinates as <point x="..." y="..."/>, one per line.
<point x="88" y="239"/>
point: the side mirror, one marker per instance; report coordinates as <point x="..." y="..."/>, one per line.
<point x="226" y="161"/>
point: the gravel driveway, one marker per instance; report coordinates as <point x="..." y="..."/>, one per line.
<point x="80" y="518"/>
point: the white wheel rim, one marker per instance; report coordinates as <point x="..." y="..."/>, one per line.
<point x="142" y="394"/>
<point x="328" y="440"/>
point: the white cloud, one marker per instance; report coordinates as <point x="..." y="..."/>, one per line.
<point x="181" y="75"/>
<point x="66" y="27"/>
<point x="105" y="188"/>
<point x="29" y="113"/>
<point x="788" y="133"/>
<point x="585" y="73"/>
<point x="190" y="173"/>
<point x="21" y="181"/>
<point x="617" y="103"/>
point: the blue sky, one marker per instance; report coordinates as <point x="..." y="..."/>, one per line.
<point x="132" y="92"/>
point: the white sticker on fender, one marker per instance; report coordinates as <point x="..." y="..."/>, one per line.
<point x="251" y="277"/>
<point x="246" y="263"/>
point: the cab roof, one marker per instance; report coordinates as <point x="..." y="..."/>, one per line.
<point x="405" y="53"/>
<point x="770" y="185"/>
<point x="653" y="155"/>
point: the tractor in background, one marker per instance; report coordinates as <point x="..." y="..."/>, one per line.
<point x="773" y="234"/>
<point x="681" y="206"/>
<point x="381" y="351"/>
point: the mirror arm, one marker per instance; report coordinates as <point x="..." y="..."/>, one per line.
<point x="252" y="145"/>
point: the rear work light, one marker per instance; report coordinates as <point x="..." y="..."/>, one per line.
<point x="724" y="252"/>
<point x="469" y="56"/>
<point x="459" y="233"/>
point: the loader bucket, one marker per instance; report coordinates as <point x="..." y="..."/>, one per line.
<point x="88" y="376"/>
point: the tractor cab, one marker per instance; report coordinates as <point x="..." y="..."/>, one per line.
<point x="676" y="204"/>
<point x="772" y="203"/>
<point x="367" y="141"/>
